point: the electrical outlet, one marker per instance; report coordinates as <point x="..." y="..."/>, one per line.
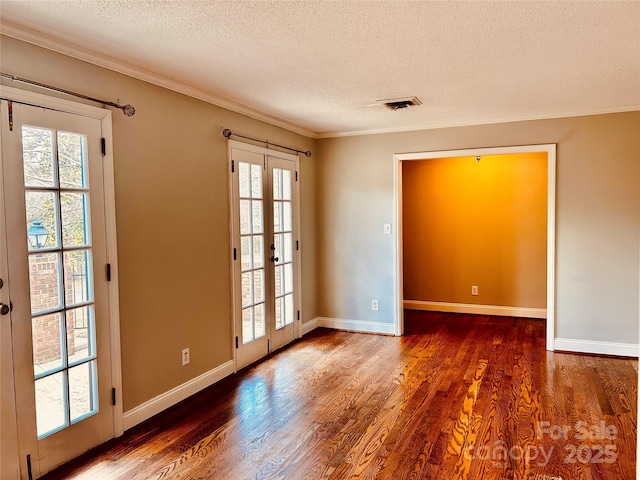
<point x="374" y="305"/>
<point x="186" y="356"/>
<point x="474" y="290"/>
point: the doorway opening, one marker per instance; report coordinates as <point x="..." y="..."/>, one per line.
<point x="545" y="298"/>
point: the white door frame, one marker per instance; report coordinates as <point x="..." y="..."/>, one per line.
<point x="550" y="150"/>
<point x="104" y="116"/>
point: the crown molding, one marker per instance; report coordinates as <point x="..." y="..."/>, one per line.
<point x="49" y="42"/>
<point x="523" y="118"/>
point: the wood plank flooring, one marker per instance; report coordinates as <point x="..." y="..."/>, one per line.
<point x="458" y="397"/>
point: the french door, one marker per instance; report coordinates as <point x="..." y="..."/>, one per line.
<point x="266" y="270"/>
<point x="56" y="288"/>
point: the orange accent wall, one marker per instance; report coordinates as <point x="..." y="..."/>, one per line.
<point x="476" y="223"/>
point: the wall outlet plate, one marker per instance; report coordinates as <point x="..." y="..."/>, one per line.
<point x="474" y="290"/>
<point x="186" y="357"/>
<point x="374" y="305"/>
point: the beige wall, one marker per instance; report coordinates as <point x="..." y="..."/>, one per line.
<point x="172" y="207"/>
<point x="484" y="223"/>
<point x="598" y="219"/>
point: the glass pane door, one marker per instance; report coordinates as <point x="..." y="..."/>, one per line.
<point x="52" y="175"/>
<point x="250" y="263"/>
<point x="282" y="182"/>
<point x="264" y="197"/>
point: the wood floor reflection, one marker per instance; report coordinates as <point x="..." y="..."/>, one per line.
<point x="457" y="397"/>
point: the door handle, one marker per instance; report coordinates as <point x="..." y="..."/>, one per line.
<point x="4" y="309"/>
<point x="274" y="259"/>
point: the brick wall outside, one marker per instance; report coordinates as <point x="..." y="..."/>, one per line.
<point x="46" y="329"/>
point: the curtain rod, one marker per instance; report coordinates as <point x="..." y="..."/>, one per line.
<point x="226" y="133"/>
<point x="128" y="110"/>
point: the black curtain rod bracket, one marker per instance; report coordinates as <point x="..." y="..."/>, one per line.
<point x="128" y="110"/>
<point x="226" y="133"/>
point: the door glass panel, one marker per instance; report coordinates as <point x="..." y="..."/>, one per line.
<point x="288" y="302"/>
<point x="243" y="179"/>
<point x="278" y="280"/>
<point x="256" y="208"/>
<point x="44" y="280"/>
<point x="47" y="343"/>
<point x="77" y="283"/>
<point x="286" y="215"/>
<point x="247" y="284"/>
<point x="37" y="156"/>
<point x="260" y="327"/>
<point x="51" y="408"/>
<point x="256" y="181"/>
<point x="42" y="221"/>
<point x="286" y="185"/>
<point x="258" y="286"/>
<point x="277" y="184"/>
<point x="247" y="325"/>
<point x="74" y="210"/>
<point x="258" y="252"/>
<point x="60" y="276"/>
<point x="245" y="254"/>
<point x="80" y="327"/>
<point x="71" y="160"/>
<point x="84" y="400"/>
<point x="245" y="217"/>
<point x="277" y="217"/>
<point x="288" y="278"/>
<point x="278" y="313"/>
<point x="287" y="247"/>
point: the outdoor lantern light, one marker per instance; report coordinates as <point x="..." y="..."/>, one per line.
<point x="37" y="234"/>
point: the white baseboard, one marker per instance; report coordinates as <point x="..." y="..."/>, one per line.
<point x="357" y="325"/>
<point x="309" y="326"/>
<point x="600" y="348"/>
<point x="476" y="309"/>
<point x="156" y="405"/>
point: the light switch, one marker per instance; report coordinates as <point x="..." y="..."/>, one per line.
<point x="387" y="228"/>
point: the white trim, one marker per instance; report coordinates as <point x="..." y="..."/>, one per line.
<point x="596" y="347"/>
<point x="113" y="285"/>
<point x="550" y="149"/>
<point x="397" y="248"/>
<point x="308" y="327"/>
<point x="163" y="401"/>
<point x="356" y="325"/>
<point x="476" y="309"/>
<point x="36" y="38"/>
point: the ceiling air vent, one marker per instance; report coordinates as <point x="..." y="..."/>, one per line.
<point x="400" y="103"/>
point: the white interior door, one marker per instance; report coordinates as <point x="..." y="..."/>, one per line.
<point x="264" y="191"/>
<point x="56" y="283"/>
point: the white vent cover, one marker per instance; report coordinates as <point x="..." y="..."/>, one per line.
<point x="399" y="103"/>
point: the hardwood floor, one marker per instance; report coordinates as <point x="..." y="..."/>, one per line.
<point x="458" y="397"/>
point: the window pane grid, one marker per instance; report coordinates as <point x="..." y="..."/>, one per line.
<point x="57" y="202"/>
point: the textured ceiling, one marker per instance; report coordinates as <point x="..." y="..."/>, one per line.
<point x="317" y="66"/>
